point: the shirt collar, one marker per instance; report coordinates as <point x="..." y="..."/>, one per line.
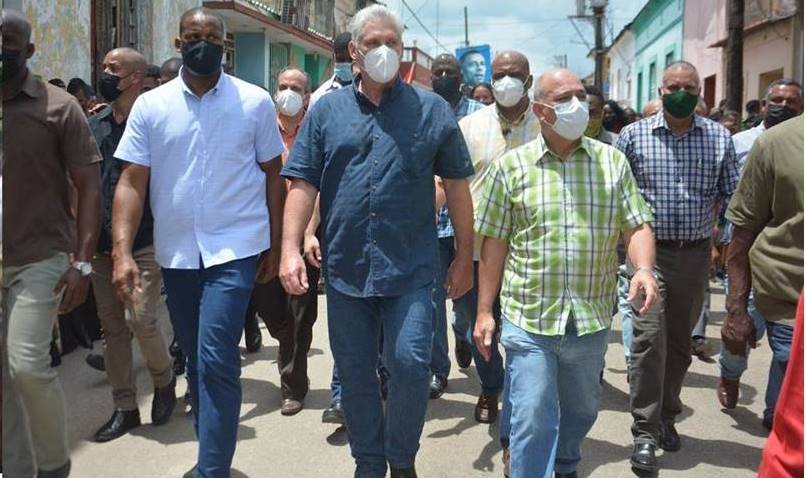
<point x="388" y="95"/>
<point x="543" y="148"/>
<point x="214" y="90"/>
<point x="32" y="86"/>
<point x="659" y="121"/>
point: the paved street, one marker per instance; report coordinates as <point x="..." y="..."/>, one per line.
<point x="715" y="444"/>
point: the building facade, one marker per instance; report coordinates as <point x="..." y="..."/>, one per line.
<point x="72" y="36"/>
<point x="658" y="30"/>
<point x="620" y="60"/>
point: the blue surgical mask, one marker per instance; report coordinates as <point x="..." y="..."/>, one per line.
<point x="344" y="72"/>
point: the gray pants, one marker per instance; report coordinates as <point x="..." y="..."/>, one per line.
<point x="34" y="423"/>
<point x="661" y="347"/>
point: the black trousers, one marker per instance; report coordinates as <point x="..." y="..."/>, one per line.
<point x="289" y="319"/>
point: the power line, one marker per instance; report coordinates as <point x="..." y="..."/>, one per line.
<point x="406" y="4"/>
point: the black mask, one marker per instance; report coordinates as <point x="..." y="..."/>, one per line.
<point x="201" y="57"/>
<point x="11" y="64"/>
<point x="447" y="87"/>
<point x="778" y="114"/>
<point x="108" y="86"/>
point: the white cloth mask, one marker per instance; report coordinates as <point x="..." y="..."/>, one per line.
<point x="508" y="91"/>
<point x="289" y="102"/>
<point x="572" y="119"/>
<point x="382" y="64"/>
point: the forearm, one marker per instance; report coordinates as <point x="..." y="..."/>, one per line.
<point x="316" y="219"/>
<point x="460" y="209"/>
<point x="640" y="246"/>
<point x="738" y="265"/>
<point x="491" y="268"/>
<point x="127" y="211"/>
<point x="88" y="221"/>
<point x="275" y="198"/>
<point x="298" y="209"/>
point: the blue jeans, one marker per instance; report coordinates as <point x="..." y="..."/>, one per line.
<point x="625" y="308"/>
<point x="490" y="373"/>
<point x="554" y="394"/>
<point x="335" y="381"/>
<point x="440" y="362"/>
<point x="378" y="436"/>
<point x="780" y="338"/>
<point x="207" y="308"/>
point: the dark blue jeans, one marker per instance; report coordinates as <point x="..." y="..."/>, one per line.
<point x="405" y="324"/>
<point x="207" y="308"/>
<point x="780" y="339"/>
<point x="490" y="373"/>
<point x="440" y="362"/>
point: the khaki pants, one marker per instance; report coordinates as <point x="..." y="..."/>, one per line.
<point x="142" y="320"/>
<point x="34" y="424"/>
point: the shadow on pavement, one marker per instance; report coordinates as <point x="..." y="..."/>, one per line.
<point x="747" y="421"/>
<point x="719" y="453"/>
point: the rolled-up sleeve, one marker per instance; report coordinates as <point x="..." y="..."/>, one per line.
<point x="307" y="157"/>
<point x="268" y="143"/>
<point x="751" y="205"/>
<point x="135" y="146"/>
<point x="453" y="158"/>
<point x="729" y="174"/>
<point x="494" y="212"/>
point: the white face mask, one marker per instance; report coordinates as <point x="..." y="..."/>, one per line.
<point x="382" y="64"/>
<point x="572" y="119"/>
<point x="289" y="102"/>
<point x="508" y="91"/>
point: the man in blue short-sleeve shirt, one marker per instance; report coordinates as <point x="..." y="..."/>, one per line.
<point x="371" y="150"/>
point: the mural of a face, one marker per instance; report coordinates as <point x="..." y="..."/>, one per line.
<point x="474" y="68"/>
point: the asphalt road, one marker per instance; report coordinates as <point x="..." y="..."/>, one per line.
<point x="715" y="443"/>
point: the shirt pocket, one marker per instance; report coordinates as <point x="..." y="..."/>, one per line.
<point x="415" y="154"/>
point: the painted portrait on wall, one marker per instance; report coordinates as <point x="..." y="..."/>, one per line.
<point x="475" y="61"/>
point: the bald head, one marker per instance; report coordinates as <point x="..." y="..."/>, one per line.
<point x="445" y="60"/>
<point x="128" y="58"/>
<point x="652" y="107"/>
<point x="510" y="63"/>
<point x="200" y="16"/>
<point x="15" y="25"/>
<point x="559" y="85"/>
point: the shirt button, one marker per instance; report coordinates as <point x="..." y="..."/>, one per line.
<point x="373" y="214"/>
<point x="374" y="241"/>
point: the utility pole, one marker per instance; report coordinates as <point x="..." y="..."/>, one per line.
<point x="598" y="23"/>
<point x="467" y="41"/>
<point x="735" y="51"/>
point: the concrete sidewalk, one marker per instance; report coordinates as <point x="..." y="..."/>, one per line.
<point x="715" y="444"/>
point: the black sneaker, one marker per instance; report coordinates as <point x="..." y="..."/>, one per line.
<point x="96" y="361"/>
<point x="334" y="413"/>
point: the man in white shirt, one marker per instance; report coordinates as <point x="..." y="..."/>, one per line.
<point x="342" y="69"/>
<point x="207" y="144"/>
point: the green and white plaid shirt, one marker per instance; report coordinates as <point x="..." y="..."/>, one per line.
<point x="562" y="221"/>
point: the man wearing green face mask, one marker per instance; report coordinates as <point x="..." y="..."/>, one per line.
<point x="595" y="129"/>
<point x="685" y="166"/>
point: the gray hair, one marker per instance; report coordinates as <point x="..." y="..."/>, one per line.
<point x="299" y="70"/>
<point x="784" y="82"/>
<point x="374" y="12"/>
<point x="538" y="92"/>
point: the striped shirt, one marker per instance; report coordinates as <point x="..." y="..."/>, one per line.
<point x="488" y="135"/>
<point x="682" y="177"/>
<point x="465" y="107"/>
<point x="561" y="220"/>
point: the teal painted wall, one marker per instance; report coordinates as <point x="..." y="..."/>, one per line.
<point x="658" y="30"/>
<point x="250" y="57"/>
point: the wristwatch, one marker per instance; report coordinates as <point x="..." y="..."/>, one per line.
<point x="85" y="268"/>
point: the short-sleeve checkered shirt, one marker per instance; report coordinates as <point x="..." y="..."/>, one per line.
<point x="561" y="220"/>
<point x="681" y="177"/>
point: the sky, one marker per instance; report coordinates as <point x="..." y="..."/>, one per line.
<point x="538" y="28"/>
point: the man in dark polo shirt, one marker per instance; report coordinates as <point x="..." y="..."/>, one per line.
<point x="52" y="146"/>
<point x="121" y="83"/>
<point x="372" y="150"/>
<point x="766" y="249"/>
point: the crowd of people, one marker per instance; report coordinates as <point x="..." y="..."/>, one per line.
<point x="536" y="205"/>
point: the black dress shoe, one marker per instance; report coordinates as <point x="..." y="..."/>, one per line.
<point x="334" y="413"/>
<point x="463" y="355"/>
<point x="121" y="422"/>
<point x="60" y="472"/>
<point x="573" y="474"/>
<point x="404" y="473"/>
<point x="669" y="439"/>
<point x="438" y="386"/>
<point x="486" y="408"/>
<point x="96" y="361"/>
<point x="162" y="406"/>
<point x="643" y="457"/>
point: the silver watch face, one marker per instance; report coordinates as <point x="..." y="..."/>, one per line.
<point x="85" y="268"/>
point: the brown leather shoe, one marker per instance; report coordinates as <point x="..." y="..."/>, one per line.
<point x="505" y="459"/>
<point x="290" y="407"/>
<point x="728" y="393"/>
<point x="487" y="408"/>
